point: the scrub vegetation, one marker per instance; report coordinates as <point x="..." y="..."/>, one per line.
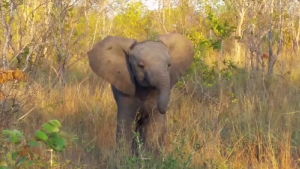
<point x="238" y="106"/>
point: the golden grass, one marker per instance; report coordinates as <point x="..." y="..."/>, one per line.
<point x="258" y="128"/>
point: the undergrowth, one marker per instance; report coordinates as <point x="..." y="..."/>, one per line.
<point x="254" y="123"/>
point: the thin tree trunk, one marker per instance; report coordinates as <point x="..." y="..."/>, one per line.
<point x="239" y="35"/>
<point x="7" y="26"/>
<point x="273" y="57"/>
<point x="296" y="34"/>
<point x="220" y="73"/>
<point x="163" y="17"/>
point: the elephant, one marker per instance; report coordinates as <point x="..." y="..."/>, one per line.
<point x="141" y="75"/>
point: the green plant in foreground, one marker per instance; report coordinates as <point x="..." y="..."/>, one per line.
<point x="49" y="134"/>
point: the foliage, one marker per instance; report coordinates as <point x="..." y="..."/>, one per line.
<point x="222" y="30"/>
<point x="208" y="74"/>
<point x="137" y="26"/>
<point x="12" y="82"/>
<point x="12" y="75"/>
<point x="25" y="151"/>
<point x="47" y="41"/>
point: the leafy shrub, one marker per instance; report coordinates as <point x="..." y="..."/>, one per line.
<point x="20" y="151"/>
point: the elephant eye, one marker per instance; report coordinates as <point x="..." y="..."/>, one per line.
<point x="169" y="64"/>
<point x="141" y="65"/>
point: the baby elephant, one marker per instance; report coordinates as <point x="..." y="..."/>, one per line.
<point x="141" y="75"/>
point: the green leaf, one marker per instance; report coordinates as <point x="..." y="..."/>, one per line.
<point x="15" y="136"/>
<point x="49" y="128"/>
<point x="40" y="135"/>
<point x="14" y="155"/>
<point x="5" y="133"/>
<point x="33" y="143"/>
<point x="30" y="162"/>
<point x="55" y="123"/>
<point x="20" y="161"/>
<point x="18" y="133"/>
<point x="56" y="143"/>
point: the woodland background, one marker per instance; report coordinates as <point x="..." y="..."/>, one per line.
<point x="237" y="107"/>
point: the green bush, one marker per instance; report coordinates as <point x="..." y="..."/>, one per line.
<point x="19" y="151"/>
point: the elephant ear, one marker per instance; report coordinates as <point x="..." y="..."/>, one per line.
<point x="108" y="60"/>
<point x="182" y="53"/>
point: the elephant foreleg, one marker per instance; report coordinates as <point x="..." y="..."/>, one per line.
<point x="127" y="110"/>
<point x="154" y="131"/>
<point x="125" y="131"/>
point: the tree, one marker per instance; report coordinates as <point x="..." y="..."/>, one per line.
<point x="133" y="22"/>
<point x="240" y="9"/>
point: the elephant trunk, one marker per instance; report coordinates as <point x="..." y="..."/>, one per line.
<point x="163" y="87"/>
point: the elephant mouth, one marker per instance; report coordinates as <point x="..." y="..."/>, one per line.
<point x="145" y="80"/>
<point x="144" y="83"/>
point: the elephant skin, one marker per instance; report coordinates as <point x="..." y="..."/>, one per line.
<point x="141" y="75"/>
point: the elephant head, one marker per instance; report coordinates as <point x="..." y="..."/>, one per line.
<point x="125" y="63"/>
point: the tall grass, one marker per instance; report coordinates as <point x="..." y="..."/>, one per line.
<point x="256" y="124"/>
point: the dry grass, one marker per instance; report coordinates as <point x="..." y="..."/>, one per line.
<point x="256" y="127"/>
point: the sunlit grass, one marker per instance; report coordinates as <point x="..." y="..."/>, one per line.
<point x="256" y="124"/>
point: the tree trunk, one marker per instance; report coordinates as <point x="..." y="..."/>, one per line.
<point x="239" y="35"/>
